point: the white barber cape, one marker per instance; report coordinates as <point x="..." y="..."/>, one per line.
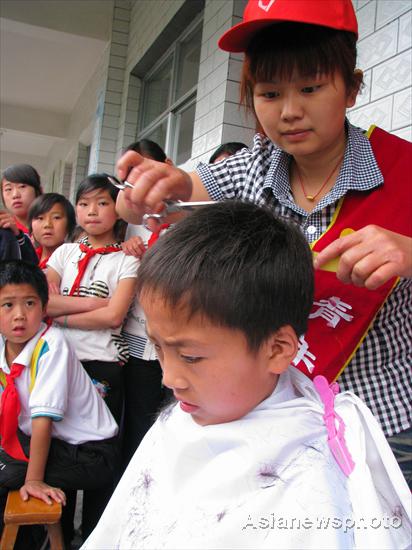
<point x="267" y="480"/>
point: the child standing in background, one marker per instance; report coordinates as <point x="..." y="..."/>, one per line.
<point x="95" y="268"/>
<point x="20" y="185"/>
<point x="51" y="222"/>
<point x="144" y="392"/>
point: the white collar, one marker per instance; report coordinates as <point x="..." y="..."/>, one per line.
<point x="26" y="353"/>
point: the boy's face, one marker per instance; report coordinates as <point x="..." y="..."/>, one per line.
<point x="17" y="198"/>
<point x="212" y="372"/>
<point x="304" y="116"/>
<point x="21" y="313"/>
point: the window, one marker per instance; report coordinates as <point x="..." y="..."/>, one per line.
<point x="169" y="96"/>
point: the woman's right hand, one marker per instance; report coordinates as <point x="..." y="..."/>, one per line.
<point x="153" y="183"/>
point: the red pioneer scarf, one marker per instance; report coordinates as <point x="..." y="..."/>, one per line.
<point x="343" y="313"/>
<point x="156" y="234"/>
<point x="83" y="262"/>
<point x="42" y="263"/>
<point x="22" y="227"/>
<point x="9" y="414"/>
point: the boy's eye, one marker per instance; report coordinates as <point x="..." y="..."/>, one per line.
<point x="82" y="203"/>
<point x="6" y="305"/>
<point x="190" y="359"/>
<point x="103" y="203"/>
<point x="30" y="303"/>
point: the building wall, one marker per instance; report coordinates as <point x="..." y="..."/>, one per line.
<point x="79" y="129"/>
<point x="385" y="55"/>
<point x="218" y="116"/>
<point x="143" y="29"/>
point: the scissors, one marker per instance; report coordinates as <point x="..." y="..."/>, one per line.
<point x="171" y="206"/>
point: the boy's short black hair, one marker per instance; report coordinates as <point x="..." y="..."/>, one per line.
<point x="19" y="272"/>
<point x="23" y="173"/>
<point x="236" y="264"/>
<point x="229" y="148"/>
<point x="45" y="202"/>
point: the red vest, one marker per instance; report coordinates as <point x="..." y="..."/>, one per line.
<point x="343" y="313"/>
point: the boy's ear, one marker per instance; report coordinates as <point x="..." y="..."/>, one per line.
<point x="353" y="93"/>
<point x="282" y="349"/>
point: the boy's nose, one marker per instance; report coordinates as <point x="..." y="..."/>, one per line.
<point x="19" y="312"/>
<point x="172" y="376"/>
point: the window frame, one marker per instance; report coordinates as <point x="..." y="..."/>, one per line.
<point x="175" y="104"/>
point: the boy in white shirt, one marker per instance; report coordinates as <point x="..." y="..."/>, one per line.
<point x="254" y="454"/>
<point x="56" y="432"/>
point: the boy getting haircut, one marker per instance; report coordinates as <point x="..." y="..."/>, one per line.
<point x="56" y="432"/>
<point x="253" y="453"/>
<point x="222" y="269"/>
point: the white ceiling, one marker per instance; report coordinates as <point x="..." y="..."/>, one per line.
<point x="48" y="51"/>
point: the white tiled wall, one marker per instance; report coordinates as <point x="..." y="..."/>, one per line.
<point x="218" y="116"/>
<point x="385" y="46"/>
<point x="385" y="54"/>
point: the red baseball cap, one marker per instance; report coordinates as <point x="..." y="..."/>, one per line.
<point x="337" y="14"/>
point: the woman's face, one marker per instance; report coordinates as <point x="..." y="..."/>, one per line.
<point x="17" y="198"/>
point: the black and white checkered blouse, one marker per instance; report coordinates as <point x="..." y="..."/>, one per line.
<point x="380" y="371"/>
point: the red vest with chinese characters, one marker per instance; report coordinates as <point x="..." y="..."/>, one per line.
<point x="343" y="313"/>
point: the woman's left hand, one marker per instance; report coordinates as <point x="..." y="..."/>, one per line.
<point x="369" y="257"/>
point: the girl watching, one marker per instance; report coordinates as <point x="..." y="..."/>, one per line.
<point x="95" y="270"/>
<point x="51" y="222"/>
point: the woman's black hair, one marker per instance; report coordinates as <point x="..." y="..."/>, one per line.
<point x="238" y="265"/>
<point x="23" y="173"/>
<point x="101" y="181"/>
<point x="45" y="202"/>
<point x="148" y="148"/>
<point x="277" y="51"/>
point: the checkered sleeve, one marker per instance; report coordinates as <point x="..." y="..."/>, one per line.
<point x="239" y="176"/>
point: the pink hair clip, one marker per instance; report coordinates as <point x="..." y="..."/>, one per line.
<point x="336" y="435"/>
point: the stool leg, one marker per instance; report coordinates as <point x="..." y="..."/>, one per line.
<point x="55" y="536"/>
<point x="9" y="537"/>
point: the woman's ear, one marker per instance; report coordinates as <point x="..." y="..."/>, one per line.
<point x="282" y="349"/>
<point x="353" y="93"/>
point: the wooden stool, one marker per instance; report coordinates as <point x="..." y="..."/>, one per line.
<point x="31" y="512"/>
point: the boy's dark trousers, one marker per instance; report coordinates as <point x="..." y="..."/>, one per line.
<point x="87" y="466"/>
